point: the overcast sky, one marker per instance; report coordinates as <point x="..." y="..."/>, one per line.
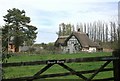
<point x="46" y="15"/>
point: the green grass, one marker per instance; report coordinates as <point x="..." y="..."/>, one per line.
<point x="12" y="72"/>
<point x="35" y="57"/>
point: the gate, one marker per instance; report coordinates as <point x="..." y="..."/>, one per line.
<point x="49" y="63"/>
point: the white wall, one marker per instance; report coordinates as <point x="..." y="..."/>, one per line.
<point x="70" y="48"/>
<point x="71" y="45"/>
<point x="23" y="48"/>
<point x="92" y="49"/>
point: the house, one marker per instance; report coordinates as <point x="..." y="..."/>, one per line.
<point x="60" y="41"/>
<point x="76" y="42"/>
<point x="12" y="48"/>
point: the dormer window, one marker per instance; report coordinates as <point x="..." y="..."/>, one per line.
<point x="72" y="42"/>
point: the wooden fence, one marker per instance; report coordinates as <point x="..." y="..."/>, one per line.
<point x="49" y="63"/>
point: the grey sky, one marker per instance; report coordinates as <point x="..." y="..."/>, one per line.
<point x="46" y="15"/>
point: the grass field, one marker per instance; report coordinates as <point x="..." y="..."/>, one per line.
<point x="34" y="57"/>
<point x="12" y="72"/>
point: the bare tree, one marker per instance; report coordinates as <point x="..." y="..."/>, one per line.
<point x="114" y="32"/>
<point x="106" y="30"/>
<point x="111" y="25"/>
<point x="85" y="28"/>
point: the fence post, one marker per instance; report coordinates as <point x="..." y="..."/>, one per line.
<point x="116" y="65"/>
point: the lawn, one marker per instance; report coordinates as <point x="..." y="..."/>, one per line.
<point x="12" y="72"/>
<point x="35" y="57"/>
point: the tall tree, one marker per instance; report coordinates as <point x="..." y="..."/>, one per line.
<point x="106" y="30"/>
<point x="118" y="31"/>
<point x="111" y="25"/>
<point x="73" y="28"/>
<point x="65" y="29"/>
<point x="68" y="29"/>
<point x="114" y="32"/>
<point x="81" y="27"/>
<point x="95" y="30"/>
<point x="17" y="27"/>
<point x="88" y="28"/>
<point x="85" y="27"/>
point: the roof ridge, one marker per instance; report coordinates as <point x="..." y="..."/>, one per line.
<point x="80" y="32"/>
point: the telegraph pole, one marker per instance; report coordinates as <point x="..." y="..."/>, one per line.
<point x="116" y="53"/>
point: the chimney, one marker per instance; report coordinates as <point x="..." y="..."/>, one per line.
<point x="87" y="34"/>
<point x="78" y="30"/>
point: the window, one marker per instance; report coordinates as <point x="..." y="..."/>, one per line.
<point x="11" y="46"/>
<point x="72" y="42"/>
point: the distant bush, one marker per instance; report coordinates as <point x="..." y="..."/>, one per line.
<point x="31" y="49"/>
<point x="44" y="51"/>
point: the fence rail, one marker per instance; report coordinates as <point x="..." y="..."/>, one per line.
<point x="63" y="74"/>
<point x="62" y="63"/>
<point x="90" y="59"/>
